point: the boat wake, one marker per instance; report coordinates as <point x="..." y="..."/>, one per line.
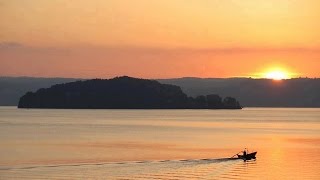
<point x="183" y="161"/>
<point x="161" y="169"/>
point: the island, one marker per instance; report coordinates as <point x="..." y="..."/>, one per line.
<point x="121" y="93"/>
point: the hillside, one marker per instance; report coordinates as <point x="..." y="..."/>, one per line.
<point x="300" y="92"/>
<point x="12" y="88"/>
<point x="121" y="93"/>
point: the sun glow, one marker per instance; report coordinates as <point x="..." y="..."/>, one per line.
<point x="277" y="75"/>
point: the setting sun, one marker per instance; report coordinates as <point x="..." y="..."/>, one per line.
<point x="277" y="75"/>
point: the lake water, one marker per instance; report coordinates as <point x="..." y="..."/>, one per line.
<point x="159" y="144"/>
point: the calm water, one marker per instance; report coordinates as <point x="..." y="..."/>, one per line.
<point x="159" y="144"/>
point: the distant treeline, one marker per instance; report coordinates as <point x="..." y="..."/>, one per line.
<point x="299" y="92"/>
<point x="121" y="93"/>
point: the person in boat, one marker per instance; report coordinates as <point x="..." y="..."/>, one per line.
<point x="245" y="152"/>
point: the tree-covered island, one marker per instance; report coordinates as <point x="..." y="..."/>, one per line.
<point x="121" y="93"/>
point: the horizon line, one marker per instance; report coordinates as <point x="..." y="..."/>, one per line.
<point x="182" y="77"/>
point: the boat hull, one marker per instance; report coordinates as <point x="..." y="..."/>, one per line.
<point x="248" y="156"/>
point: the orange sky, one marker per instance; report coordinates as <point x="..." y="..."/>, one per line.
<point x="159" y="39"/>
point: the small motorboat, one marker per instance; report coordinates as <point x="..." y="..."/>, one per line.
<point x="248" y="156"/>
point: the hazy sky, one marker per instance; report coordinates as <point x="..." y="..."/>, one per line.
<point x="159" y="38"/>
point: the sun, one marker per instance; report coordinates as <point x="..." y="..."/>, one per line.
<point x="277" y="75"/>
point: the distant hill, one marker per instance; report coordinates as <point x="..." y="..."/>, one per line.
<point x="121" y="93"/>
<point x="300" y="92"/>
<point x="12" y="88"/>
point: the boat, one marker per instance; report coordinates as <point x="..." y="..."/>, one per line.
<point x="248" y="156"/>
